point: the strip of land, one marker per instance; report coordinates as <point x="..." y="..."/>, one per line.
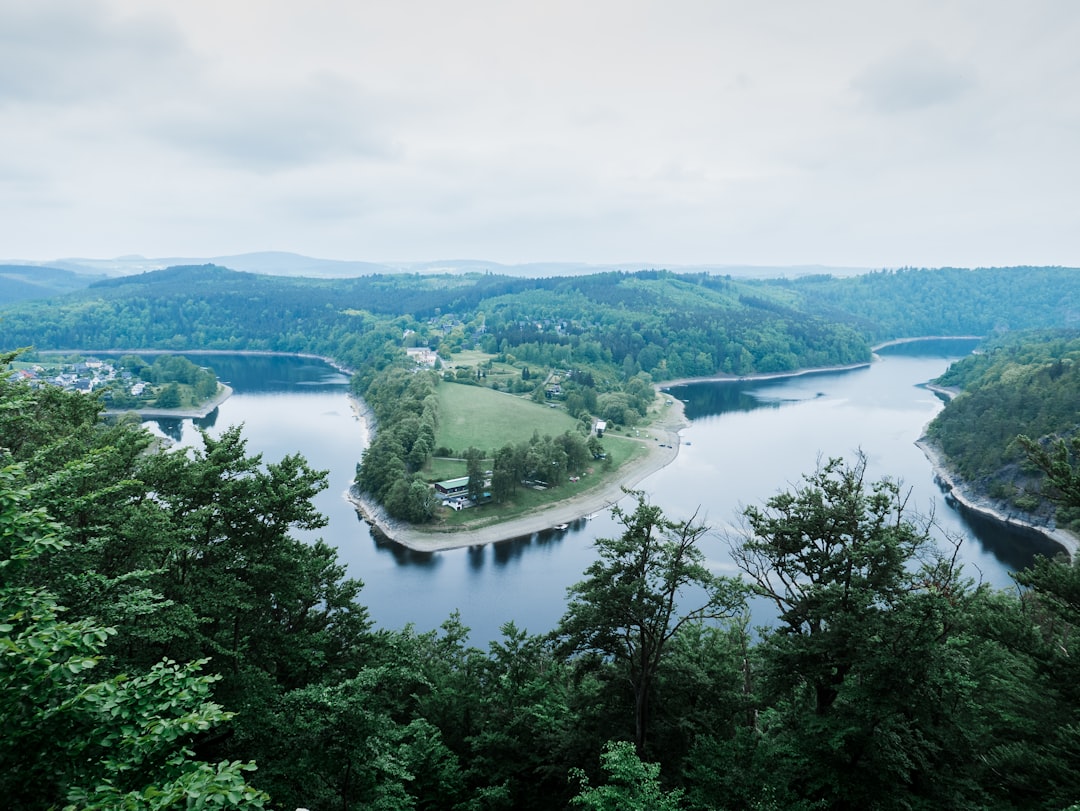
<point x="817" y="370"/>
<point x="195" y="412"/>
<point x="660" y="450"/>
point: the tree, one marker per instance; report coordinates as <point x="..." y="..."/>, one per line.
<point x="169" y="396"/>
<point x="1058" y="462"/>
<point x="120" y="743"/>
<point x="633" y="785"/>
<point x="505" y="473"/>
<point x="242" y="589"/>
<point x="829" y="555"/>
<point x="474" y="469"/>
<point x="632" y="603"/>
<point x="872" y="678"/>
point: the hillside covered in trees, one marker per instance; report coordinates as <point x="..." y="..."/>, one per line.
<point x="658" y="322"/>
<point x="164" y="640"/>
<point x="607" y="337"/>
<point x="1019" y="393"/>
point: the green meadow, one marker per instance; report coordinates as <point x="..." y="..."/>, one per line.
<point x="477" y="417"/>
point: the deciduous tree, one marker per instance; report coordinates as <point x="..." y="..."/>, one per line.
<point x="644" y="588"/>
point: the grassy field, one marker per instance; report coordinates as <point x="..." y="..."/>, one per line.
<point x="472" y="416"/>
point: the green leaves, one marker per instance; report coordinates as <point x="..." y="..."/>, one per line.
<point x="633" y="601"/>
<point x="632" y="784"/>
<point x="63" y="733"/>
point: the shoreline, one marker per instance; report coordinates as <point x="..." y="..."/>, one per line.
<point x="603" y="496"/>
<point x="954" y="487"/>
<point x="252" y="352"/>
<point x="576" y="507"/>
<point x="224" y="393"/>
<point x="816" y="370"/>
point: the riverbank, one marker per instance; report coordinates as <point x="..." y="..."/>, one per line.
<point x="816" y="370"/>
<point x="954" y="486"/>
<point x="985" y="507"/>
<point x="198" y="412"/>
<point x="660" y="450"/>
<point x="666" y="429"/>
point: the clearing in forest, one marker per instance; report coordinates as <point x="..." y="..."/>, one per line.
<point x="473" y="416"/>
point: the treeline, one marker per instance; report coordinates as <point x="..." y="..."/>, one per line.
<point x="406" y="411"/>
<point x="915" y="302"/>
<point x="666" y="324"/>
<point x="1025" y="384"/>
<point x="657" y="322"/>
<point x="543" y="460"/>
<point x="172" y="369"/>
<point x="166" y="642"/>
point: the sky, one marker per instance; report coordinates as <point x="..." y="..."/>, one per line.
<point x="781" y="132"/>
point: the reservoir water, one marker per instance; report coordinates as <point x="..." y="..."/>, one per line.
<point x="746" y="441"/>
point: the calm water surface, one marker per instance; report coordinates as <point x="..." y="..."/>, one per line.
<point x="746" y="441"/>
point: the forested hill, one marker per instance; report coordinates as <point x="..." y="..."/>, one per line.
<point x="668" y="325"/>
<point x="948" y="301"/>
<point x="26" y="282"/>
<point x="1024" y="384"/>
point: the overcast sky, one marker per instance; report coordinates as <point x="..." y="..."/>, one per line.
<point x="862" y="133"/>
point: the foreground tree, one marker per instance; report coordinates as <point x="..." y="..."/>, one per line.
<point x="877" y="690"/>
<point x="829" y="555"/>
<point x="632" y="784"/>
<point x="121" y="743"/>
<point x="635" y="598"/>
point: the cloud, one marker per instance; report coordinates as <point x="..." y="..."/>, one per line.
<point x="276" y="128"/>
<point x="71" y="51"/>
<point x="914" y="78"/>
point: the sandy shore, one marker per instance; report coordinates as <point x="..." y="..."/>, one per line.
<point x="664" y="430"/>
<point x="224" y="393"/>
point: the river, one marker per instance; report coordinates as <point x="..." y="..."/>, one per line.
<point x="746" y="441"/>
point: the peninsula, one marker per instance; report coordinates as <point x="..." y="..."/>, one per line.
<point x="661" y="448"/>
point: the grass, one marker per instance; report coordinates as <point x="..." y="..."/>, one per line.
<point x="473" y="416"/>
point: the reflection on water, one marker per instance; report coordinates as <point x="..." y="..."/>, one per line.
<point x="1014" y="546"/>
<point x="403" y="555"/>
<point x="740" y="448"/>
<point x="171" y="427"/>
<point x="207" y="422"/>
<point x="700" y="399"/>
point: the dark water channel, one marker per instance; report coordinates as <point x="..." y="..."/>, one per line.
<point x="746" y="441"/>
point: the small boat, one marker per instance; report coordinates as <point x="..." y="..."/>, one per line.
<point x="561" y="527"/>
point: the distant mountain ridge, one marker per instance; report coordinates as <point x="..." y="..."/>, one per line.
<point x="30" y="282"/>
<point x="283" y="263"/>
